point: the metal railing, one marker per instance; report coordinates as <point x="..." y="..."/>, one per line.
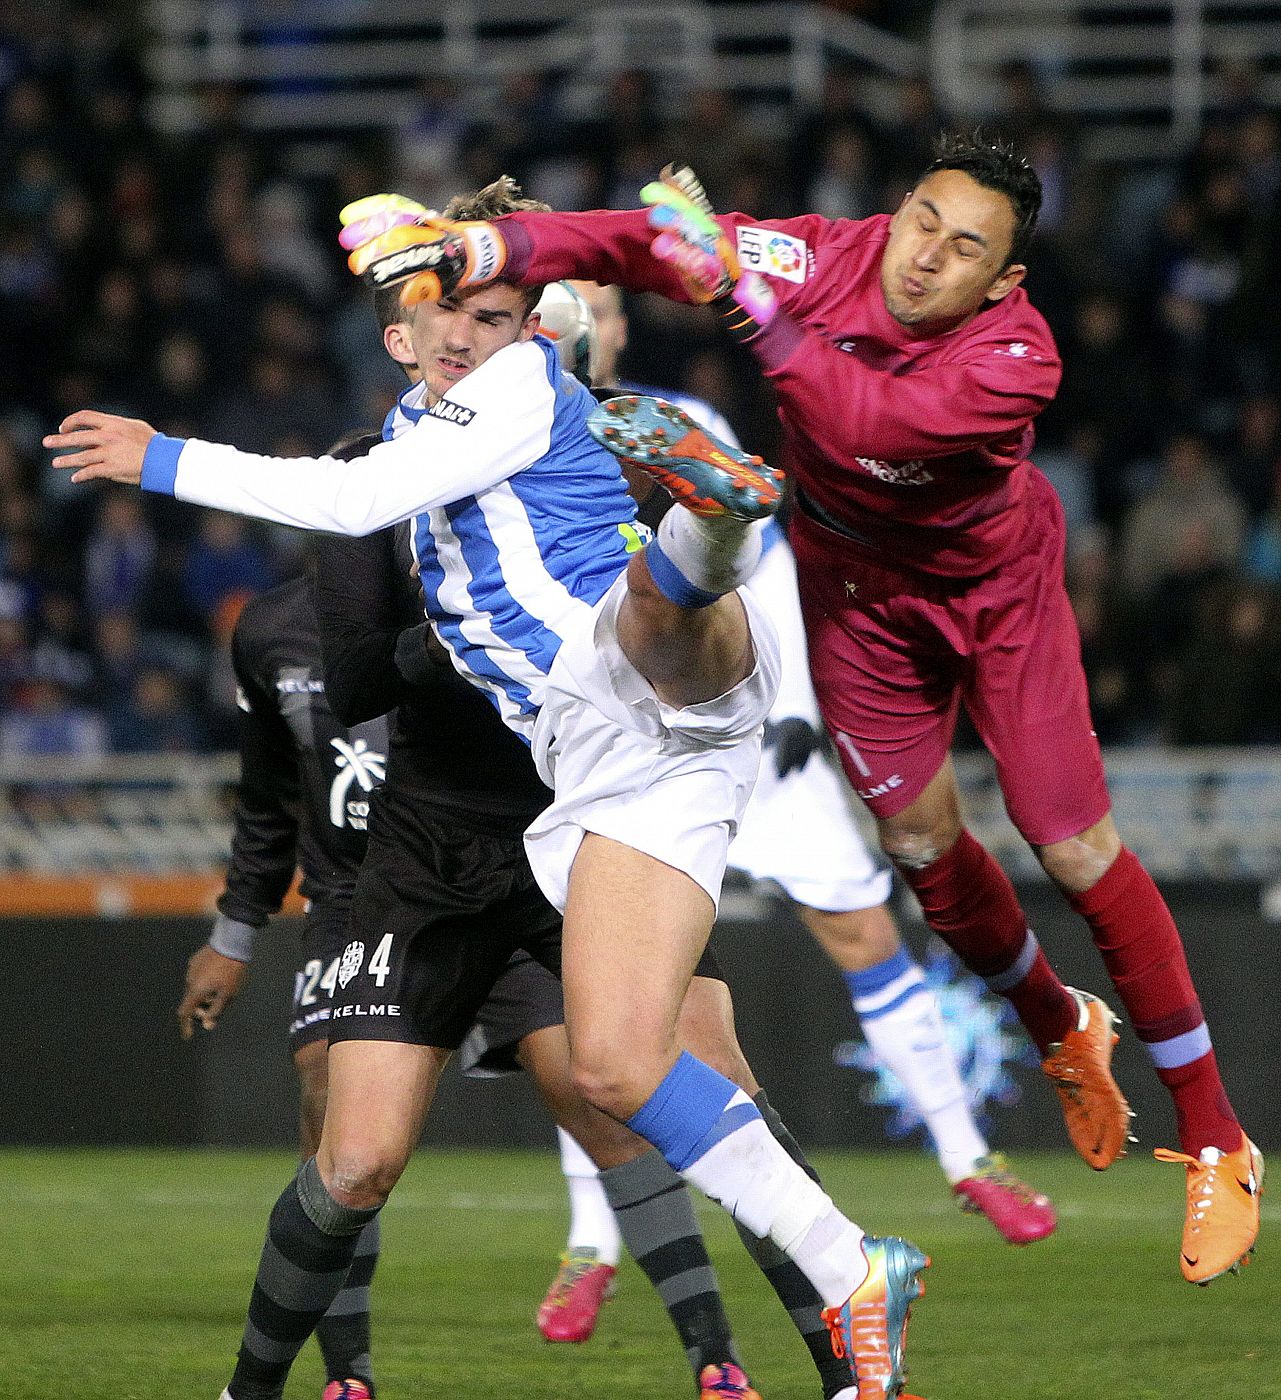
<point x="1213" y="813"/>
<point x="309" y="66"/>
<point x="1140" y="75"/>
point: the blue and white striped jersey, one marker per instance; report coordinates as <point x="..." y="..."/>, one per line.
<point x="521" y="522"/>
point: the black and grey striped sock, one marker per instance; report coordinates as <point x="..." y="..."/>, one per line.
<point x="343" y="1332"/>
<point x="311" y="1241"/>
<point x="656" y="1219"/>
<point x="795" y="1291"/>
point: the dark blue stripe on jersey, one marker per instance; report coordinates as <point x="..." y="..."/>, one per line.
<point x="160" y="463"/>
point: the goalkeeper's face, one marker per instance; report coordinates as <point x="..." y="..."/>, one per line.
<point x="948" y="252"/>
<point x="450" y="338"/>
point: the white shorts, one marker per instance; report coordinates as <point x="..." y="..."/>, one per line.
<point x="672" y="783"/>
<point x="801" y="833"/>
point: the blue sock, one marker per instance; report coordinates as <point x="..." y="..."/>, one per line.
<point x="673" y="584"/>
<point x="691" y="1111"/>
<point x="885" y="987"/>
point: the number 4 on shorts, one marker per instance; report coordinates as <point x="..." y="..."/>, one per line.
<point x="380" y="964"/>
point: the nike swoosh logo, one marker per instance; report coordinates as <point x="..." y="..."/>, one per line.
<point x="1191" y="1263"/>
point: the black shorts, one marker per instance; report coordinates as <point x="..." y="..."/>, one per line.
<point x="324" y="936"/>
<point x="441" y="904"/>
<point x="525" y="999"/>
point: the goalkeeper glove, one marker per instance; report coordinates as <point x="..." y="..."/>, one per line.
<point x="396" y="241"/>
<point x="690" y="239"/>
<point x="792" y="742"/>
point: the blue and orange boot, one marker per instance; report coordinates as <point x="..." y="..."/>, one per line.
<point x="701" y="473"/>
<point x="725" y="1382"/>
<point x="347" y="1390"/>
<point x="870" y="1328"/>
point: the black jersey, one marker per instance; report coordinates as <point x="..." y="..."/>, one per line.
<point x="448" y="745"/>
<point x="306" y="777"/>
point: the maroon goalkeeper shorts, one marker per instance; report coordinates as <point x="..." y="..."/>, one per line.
<point x="894" y="652"/>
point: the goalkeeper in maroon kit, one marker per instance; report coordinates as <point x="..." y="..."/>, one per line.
<point x="909" y="365"/>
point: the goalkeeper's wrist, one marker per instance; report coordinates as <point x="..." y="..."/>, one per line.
<point x="232" y="939"/>
<point x="749" y="307"/>
<point x="486" y="252"/>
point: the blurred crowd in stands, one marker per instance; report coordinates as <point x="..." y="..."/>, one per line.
<point x="197" y="283"/>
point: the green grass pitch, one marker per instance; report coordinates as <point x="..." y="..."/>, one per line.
<point x="126" y="1275"/>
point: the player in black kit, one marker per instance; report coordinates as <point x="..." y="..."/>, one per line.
<point x="446" y="862"/>
<point x="303" y="801"/>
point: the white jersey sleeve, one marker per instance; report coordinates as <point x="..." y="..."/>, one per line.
<point x="495" y="422"/>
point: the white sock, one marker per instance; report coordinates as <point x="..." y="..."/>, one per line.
<point x="715" y="553"/>
<point x="909" y="1039"/>
<point x="750" y="1174"/>
<point x="591" y="1220"/>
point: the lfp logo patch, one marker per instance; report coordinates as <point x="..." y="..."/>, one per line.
<point x="985" y="1037"/>
<point x="775" y="254"/>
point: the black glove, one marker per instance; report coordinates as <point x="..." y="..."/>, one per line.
<point x="792" y="742"/>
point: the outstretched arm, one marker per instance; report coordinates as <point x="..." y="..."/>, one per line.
<point x="498" y="422"/>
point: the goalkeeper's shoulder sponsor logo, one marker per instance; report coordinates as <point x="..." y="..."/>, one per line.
<point x="775" y="254"/>
<point x="451" y="412"/>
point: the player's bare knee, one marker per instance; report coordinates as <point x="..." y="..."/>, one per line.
<point x="1080" y="862"/>
<point x="615" y="1084"/>
<point x="361" y="1179"/>
<point x="917" y="844"/>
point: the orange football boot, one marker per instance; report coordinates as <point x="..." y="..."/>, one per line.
<point x="1080" y="1068"/>
<point x="1222" y="1221"/>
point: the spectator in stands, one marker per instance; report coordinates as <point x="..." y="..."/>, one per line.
<point x="1254" y="456"/>
<point x="60" y="653"/>
<point x="119" y="555"/>
<point x="44" y="721"/>
<point x="843" y="184"/>
<point x="429" y="141"/>
<point x="1188" y="525"/>
<point x="157" y="718"/>
<point x="1228" y="689"/>
<point x="224" y="564"/>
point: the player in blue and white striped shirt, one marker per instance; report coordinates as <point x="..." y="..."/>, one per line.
<point x="641" y="678"/>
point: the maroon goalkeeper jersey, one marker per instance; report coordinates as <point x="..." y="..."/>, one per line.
<point x="916" y="443"/>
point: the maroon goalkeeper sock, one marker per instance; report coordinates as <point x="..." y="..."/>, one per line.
<point x="969" y="902"/>
<point x="1134" y="931"/>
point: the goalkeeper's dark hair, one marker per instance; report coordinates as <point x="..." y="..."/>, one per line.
<point x="996" y="166"/>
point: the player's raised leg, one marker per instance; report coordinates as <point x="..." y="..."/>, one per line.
<point x="379" y="1093"/>
<point x="623" y="999"/>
